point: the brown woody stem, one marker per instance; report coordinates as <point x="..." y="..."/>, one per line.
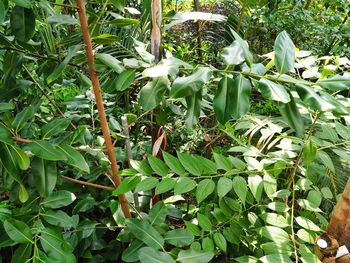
<point x="87" y="183"/>
<point x="99" y="103"/>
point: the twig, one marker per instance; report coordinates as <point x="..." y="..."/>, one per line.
<point x="88" y="184"/>
<point x="99" y="103"/>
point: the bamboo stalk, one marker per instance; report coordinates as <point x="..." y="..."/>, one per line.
<point x="100" y="107"/>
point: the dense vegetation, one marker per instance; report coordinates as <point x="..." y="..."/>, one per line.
<point x="233" y="148"/>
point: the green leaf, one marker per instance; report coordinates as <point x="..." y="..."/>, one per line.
<point x="278" y="207"/>
<point x="273" y="91"/>
<point x="58" y="218"/>
<point x="220" y="242"/>
<point x="18" y="231"/>
<point x="22" y="23"/>
<point x="23" y="3"/>
<point x="270" y="185"/>
<point x="6" y="106"/>
<point x="123" y="22"/>
<point x="280" y="258"/>
<point x="309" y="152"/>
<point x="306" y="236"/>
<point x="207" y="244"/>
<point x="224" y="186"/>
<point x="57" y="72"/>
<point x="150" y="255"/>
<point x="335" y="83"/>
<point x="22" y="158"/>
<point x="54" y="127"/>
<point x="130" y="253"/>
<point x="339" y="107"/>
<point x="307" y="224"/>
<point x="240" y="187"/>
<point x="74" y="158"/>
<point x="174" y="164"/>
<point x="204" y="189"/>
<point x="22" y="194"/>
<point x="141" y="167"/>
<point x="146" y="184"/>
<point x="22" y="253"/>
<point x="44" y="175"/>
<point x="204" y="222"/>
<point x="312" y="99"/>
<point x="222" y="162"/>
<point x="341" y="129"/>
<point x="292" y="116"/>
<point x="195" y="256"/>
<point x="58" y="199"/>
<point x="9" y="161"/>
<point x="145" y="232"/>
<point x="184" y="185"/>
<point x="5" y="135"/>
<point x="157" y="165"/>
<point x="326" y="160"/>
<point x="256" y="186"/>
<point x="119" y="4"/>
<point x="22" y="118"/>
<point x="188" y="86"/>
<point x="46" y="151"/>
<point x="179" y="237"/>
<point x="275" y="219"/>
<point x="207" y="166"/>
<point x="273" y="233"/>
<point x="191" y="164"/>
<point x="110" y="62"/>
<point x="233" y="54"/>
<point x="232" y="98"/>
<point x="152" y="94"/>
<point x="193" y="109"/>
<point x="105" y="39"/>
<point x="158" y="213"/>
<point x="165" y="185"/>
<point x="193" y="228"/>
<point x="127" y="185"/>
<point x="244" y="46"/>
<point x="284" y="53"/>
<point x="2" y="16"/>
<point x="124" y="80"/>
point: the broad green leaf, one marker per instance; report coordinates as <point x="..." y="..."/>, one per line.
<point x="248" y="57"/>
<point x="273" y="233"/>
<point x="224" y="186"/>
<point x="150" y="255"/>
<point x="58" y="218"/>
<point x="146" y="184"/>
<point x="18" y="231"/>
<point x="22" y="194"/>
<point x="130" y="253"/>
<point x="275" y="219"/>
<point x="141" y="167"/>
<point x="22" y="158"/>
<point x="312" y="99"/>
<point x="145" y="232"/>
<point x="127" y="185"/>
<point x="110" y="62"/>
<point x="277" y="248"/>
<point x="46" y="151"/>
<point x="173" y="163"/>
<point x="44" y="175"/>
<point x="188" y="86"/>
<point x="273" y="91"/>
<point x="222" y="162"/>
<point x="124" y="80"/>
<point x="165" y="185"/>
<point x="56" y="247"/>
<point x="157" y="165"/>
<point x="240" y="188"/>
<point x="22" y="23"/>
<point x="307" y="205"/>
<point x="22" y="118"/>
<point x="335" y="83"/>
<point x="123" y="22"/>
<point x="341" y="129"/>
<point x="9" y="161"/>
<point x="208" y="166"/>
<point x="105" y="39"/>
<point x="280" y="258"/>
<point x="152" y="94"/>
<point x="220" y="242"/>
<point x="54" y="127"/>
<point x="74" y="158"/>
<point x="284" y="53"/>
<point x="58" y="199"/>
<point x="204" y="189"/>
<point x="339" y="107"/>
<point x="2" y="16"/>
<point x="306" y="236"/>
<point x="233" y="54"/>
<point x="191" y="164"/>
<point x="84" y="205"/>
<point x="57" y="72"/>
<point x="309" y="151"/>
<point x="307" y="224"/>
<point x="179" y="237"/>
<point x="23" y="3"/>
<point x="193" y="109"/>
<point x="119" y="4"/>
<point x="6" y="106"/>
<point x="59" y="19"/>
<point x="324" y="158"/>
<point x="184" y="185"/>
<point x="292" y="116"/>
<point x="158" y="213"/>
<point x="204" y="222"/>
<point x="256" y="186"/>
<point x="207" y="244"/>
<point x="22" y="253"/>
<point x="278" y="207"/>
<point x="194" y="256"/>
<point x="5" y="135"/>
<point x="270" y="185"/>
<point x="232" y="98"/>
<point x="247" y="259"/>
<point x="193" y="228"/>
<point x="314" y="197"/>
<point x="182" y="17"/>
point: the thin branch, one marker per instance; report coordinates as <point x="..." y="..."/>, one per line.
<point x="99" y="103"/>
<point x="88" y="184"/>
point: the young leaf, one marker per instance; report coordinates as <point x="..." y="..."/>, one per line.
<point x="18" y="231"/>
<point x="309" y="152"/>
<point x="204" y="189"/>
<point x="44" y="175"/>
<point x="22" y="23"/>
<point x="150" y="255"/>
<point x="152" y="94"/>
<point x="284" y="53"/>
<point x="22" y="194"/>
